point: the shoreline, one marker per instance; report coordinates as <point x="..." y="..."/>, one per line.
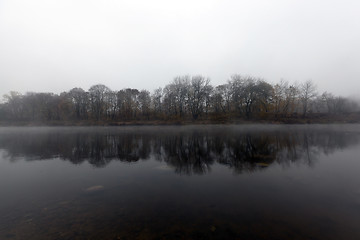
<point x="280" y="121"/>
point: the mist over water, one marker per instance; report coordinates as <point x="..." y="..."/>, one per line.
<point x="197" y="182"/>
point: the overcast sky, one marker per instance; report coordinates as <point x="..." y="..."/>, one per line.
<point x="53" y="46"/>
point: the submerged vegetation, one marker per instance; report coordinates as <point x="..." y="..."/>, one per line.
<point x="185" y="99"/>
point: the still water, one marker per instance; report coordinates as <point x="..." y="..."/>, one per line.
<point x="186" y="182"/>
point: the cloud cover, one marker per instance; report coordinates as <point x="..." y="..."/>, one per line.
<point x="53" y="46"/>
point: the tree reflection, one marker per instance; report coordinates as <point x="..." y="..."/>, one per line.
<point x="187" y="152"/>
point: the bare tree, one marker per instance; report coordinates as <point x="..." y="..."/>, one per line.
<point x="236" y="83"/>
<point x="307" y="93"/>
<point x="249" y="95"/>
<point x="156" y="100"/>
<point x="112" y="104"/>
<point x="131" y="103"/>
<point x="279" y="96"/>
<point x="175" y="96"/>
<point x="285" y="98"/>
<point x="15" y="106"/>
<point x="219" y="101"/>
<point x="264" y="94"/>
<point x="184" y="97"/>
<point x="98" y="94"/>
<point x="180" y="88"/>
<point x="144" y="103"/>
<point x="80" y="100"/>
<point x="197" y="95"/>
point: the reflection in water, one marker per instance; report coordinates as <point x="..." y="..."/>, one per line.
<point x="186" y="150"/>
<point x="100" y="197"/>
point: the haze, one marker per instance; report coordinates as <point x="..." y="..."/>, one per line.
<point x="53" y="46"/>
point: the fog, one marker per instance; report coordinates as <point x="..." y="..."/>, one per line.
<point x="53" y="46"/>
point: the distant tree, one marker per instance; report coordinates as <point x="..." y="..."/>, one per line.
<point x="112" y="104"/>
<point x="197" y="95"/>
<point x="80" y="100"/>
<point x="222" y="98"/>
<point x="307" y="93"/>
<point x="218" y="101"/>
<point x="329" y="100"/>
<point x="169" y="101"/>
<point x="98" y="94"/>
<point x="65" y="106"/>
<point x="250" y="94"/>
<point x="14" y="105"/>
<point x="130" y="103"/>
<point x="180" y="88"/>
<point x="236" y="84"/>
<point x="279" y="96"/>
<point x="156" y="101"/>
<point x="183" y="98"/>
<point x="208" y="91"/>
<point x="3" y="114"/>
<point x="47" y="106"/>
<point x="144" y="103"/>
<point x="264" y="94"/>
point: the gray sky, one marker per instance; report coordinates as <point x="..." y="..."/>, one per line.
<point x="53" y="46"/>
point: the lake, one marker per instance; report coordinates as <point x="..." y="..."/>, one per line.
<point x="180" y="182"/>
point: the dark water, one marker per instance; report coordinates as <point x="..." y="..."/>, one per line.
<point x="195" y="182"/>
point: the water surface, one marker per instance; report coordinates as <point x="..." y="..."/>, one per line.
<point x="191" y="182"/>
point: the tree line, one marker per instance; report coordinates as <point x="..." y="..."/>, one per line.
<point x="184" y="98"/>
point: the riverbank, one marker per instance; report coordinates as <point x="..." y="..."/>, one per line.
<point x="311" y="119"/>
